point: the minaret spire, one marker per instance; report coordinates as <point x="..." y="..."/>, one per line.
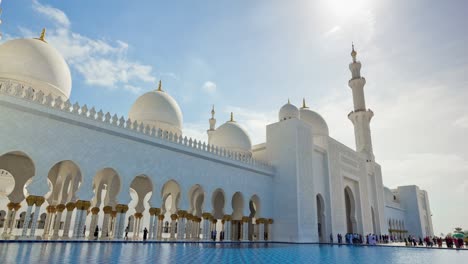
<point x="212" y="122"/>
<point x="42" y="36"/>
<point x="160" y="86"/>
<point x="304" y="103"/>
<point x="360" y="116"/>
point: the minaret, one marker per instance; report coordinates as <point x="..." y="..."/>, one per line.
<point x="360" y="116"/>
<point x="212" y="121"/>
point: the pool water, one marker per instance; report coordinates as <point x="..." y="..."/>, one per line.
<point x="220" y="253"/>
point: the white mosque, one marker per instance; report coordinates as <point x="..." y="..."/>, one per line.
<point x="66" y="167"/>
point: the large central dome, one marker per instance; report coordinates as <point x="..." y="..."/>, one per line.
<point x="158" y="109"/>
<point x="35" y="63"/>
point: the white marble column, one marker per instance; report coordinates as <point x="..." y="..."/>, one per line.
<point x="57" y="220"/>
<point x="227" y="229"/>
<point x="198" y="228"/>
<point x="206" y="226"/>
<point x="173" y="226"/>
<point x="245" y="228"/>
<point x="30" y="200"/>
<point x="269" y="229"/>
<point x="66" y="227"/>
<point x="48" y="221"/>
<point x="105" y="222"/>
<point x="94" y="222"/>
<point x="160" y="226"/>
<point x="188" y="226"/>
<point x="39" y="201"/>
<point x="9" y="215"/>
<point x="151" y="231"/>
<point x="80" y="218"/>
<point x="261" y="229"/>
<point x="136" y="229"/>
<point x="120" y="220"/>
<point x="181" y="225"/>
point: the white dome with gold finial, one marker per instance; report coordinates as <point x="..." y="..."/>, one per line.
<point x="319" y="126"/>
<point x="157" y="108"/>
<point x="231" y="136"/>
<point x="35" y="63"/>
<point x="288" y="111"/>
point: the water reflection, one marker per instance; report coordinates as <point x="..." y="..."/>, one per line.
<point x="217" y="253"/>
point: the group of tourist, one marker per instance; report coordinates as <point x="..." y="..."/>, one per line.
<point x="451" y="242"/>
<point x="373" y="239"/>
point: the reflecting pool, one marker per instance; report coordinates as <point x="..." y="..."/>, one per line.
<point x="83" y="252"/>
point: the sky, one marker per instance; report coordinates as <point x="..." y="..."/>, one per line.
<point x="249" y="57"/>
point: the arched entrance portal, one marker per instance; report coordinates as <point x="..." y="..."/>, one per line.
<point x="350" y="211"/>
<point x="321" y="218"/>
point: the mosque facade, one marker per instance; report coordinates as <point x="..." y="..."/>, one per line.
<point x="67" y="168"/>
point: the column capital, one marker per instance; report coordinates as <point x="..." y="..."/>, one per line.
<point x="50" y="209"/>
<point x="95" y="210"/>
<point x="174" y="217"/>
<point x="227" y="217"/>
<point x="245" y="219"/>
<point x="107" y="209"/>
<point x="70" y="206"/>
<point x="60" y="208"/>
<point x="138" y="215"/>
<point x="160" y="217"/>
<point x="154" y="211"/>
<point x="190" y="217"/>
<point x="11" y="206"/>
<point x="182" y="213"/>
<point x="39" y="200"/>
<point x="206" y="215"/>
<point x="83" y="205"/>
<point x="121" y="208"/>
<point x="31" y="200"/>
<point x="270" y="221"/>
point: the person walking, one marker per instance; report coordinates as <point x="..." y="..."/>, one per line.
<point x="96" y="233"/>
<point x="145" y="234"/>
<point x="126" y="233"/>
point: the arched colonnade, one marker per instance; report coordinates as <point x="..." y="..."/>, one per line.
<point x="207" y="216"/>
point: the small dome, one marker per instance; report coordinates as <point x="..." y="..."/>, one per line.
<point x="288" y="111"/>
<point x="233" y="137"/>
<point x="35" y="63"/>
<point x="158" y="109"/>
<point x="319" y="126"/>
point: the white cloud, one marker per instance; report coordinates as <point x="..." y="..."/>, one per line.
<point x="209" y="87"/>
<point x="332" y="31"/>
<point x="100" y="63"/>
<point x="133" y="89"/>
<point x="55" y="14"/>
<point x="462" y="122"/>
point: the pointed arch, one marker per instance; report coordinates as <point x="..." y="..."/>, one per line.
<point x="64" y="177"/>
<point x="106" y="183"/>
<point x="237" y="204"/>
<point x="142" y="185"/>
<point x="321" y="224"/>
<point x="21" y="167"/>
<point x="350" y="207"/>
<point x="196" y="199"/>
<point x="218" y="201"/>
